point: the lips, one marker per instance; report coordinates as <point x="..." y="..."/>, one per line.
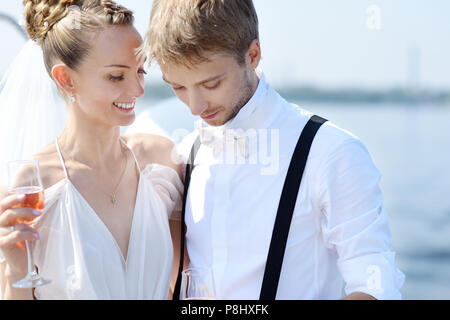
<point x="125" y="106"/>
<point x="211" y="116"/>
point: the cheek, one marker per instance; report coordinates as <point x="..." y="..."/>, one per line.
<point x="102" y="92"/>
<point x="183" y="97"/>
<point x="227" y="97"/>
<point x="110" y="93"/>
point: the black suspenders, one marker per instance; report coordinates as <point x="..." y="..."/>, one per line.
<point x="286" y="209"/>
<point x="187" y="180"/>
<point x="284" y="214"/>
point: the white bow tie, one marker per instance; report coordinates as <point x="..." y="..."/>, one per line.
<point x="221" y="139"/>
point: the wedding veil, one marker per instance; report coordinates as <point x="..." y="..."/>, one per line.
<point x="32" y="114"/>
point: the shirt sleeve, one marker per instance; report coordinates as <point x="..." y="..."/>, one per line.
<point x="355" y="222"/>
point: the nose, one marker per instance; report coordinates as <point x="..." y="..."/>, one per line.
<point x="136" y="88"/>
<point x="197" y="103"/>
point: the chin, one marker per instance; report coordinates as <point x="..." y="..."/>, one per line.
<point x="220" y="121"/>
<point x="215" y="123"/>
<point x="127" y="122"/>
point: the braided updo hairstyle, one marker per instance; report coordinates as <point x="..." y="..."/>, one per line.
<point x="65" y="28"/>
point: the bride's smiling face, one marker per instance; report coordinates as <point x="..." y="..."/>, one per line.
<point x="111" y="78"/>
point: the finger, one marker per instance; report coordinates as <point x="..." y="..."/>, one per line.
<point x="10" y="240"/>
<point x="11" y="201"/>
<point x="11" y="216"/>
<point x="4" y="231"/>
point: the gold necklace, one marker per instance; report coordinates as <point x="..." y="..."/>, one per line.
<point x="113" y="195"/>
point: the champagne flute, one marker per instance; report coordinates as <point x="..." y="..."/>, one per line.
<point x="24" y="178"/>
<point x="197" y="284"/>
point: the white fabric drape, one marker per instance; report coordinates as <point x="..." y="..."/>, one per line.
<point x="81" y="257"/>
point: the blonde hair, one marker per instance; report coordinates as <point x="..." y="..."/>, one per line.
<point x="182" y="31"/>
<point x="64" y="28"/>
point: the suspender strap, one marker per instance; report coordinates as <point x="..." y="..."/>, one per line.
<point x="284" y="214"/>
<point x="187" y="179"/>
<point x="286" y="209"/>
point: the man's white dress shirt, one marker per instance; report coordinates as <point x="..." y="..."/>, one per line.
<point x="339" y="233"/>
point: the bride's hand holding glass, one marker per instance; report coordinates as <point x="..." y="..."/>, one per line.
<point x="17" y="213"/>
<point x="12" y="236"/>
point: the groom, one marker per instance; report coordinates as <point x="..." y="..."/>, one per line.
<point x="281" y="203"/>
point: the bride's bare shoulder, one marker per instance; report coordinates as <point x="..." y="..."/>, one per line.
<point x="49" y="165"/>
<point x="151" y="148"/>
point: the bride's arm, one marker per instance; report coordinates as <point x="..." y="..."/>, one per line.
<point x="175" y="232"/>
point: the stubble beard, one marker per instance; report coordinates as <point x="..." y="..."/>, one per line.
<point x="247" y="93"/>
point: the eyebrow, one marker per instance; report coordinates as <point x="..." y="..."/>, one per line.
<point x="121" y="65"/>
<point x="117" y="66"/>
<point x="199" y="83"/>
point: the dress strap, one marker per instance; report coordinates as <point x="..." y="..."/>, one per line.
<point x="131" y="150"/>
<point x="64" y="167"/>
<point x="61" y="158"/>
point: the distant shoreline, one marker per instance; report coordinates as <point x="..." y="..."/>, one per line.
<point x="400" y="96"/>
<point x="351" y="96"/>
<point x="393" y="96"/>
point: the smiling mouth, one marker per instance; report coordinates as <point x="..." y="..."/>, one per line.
<point x="125" y="106"/>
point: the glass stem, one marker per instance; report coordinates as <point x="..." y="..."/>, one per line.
<point x="31" y="267"/>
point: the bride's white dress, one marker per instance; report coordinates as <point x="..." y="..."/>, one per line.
<point x="80" y="255"/>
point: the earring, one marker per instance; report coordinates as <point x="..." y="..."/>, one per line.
<point x="71" y="98"/>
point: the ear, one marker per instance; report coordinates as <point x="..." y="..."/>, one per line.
<point x="253" y="54"/>
<point x="61" y="74"/>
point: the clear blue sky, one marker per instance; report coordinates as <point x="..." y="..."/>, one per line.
<point x="328" y="43"/>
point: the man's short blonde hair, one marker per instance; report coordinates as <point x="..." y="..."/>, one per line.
<point x="183" y="31"/>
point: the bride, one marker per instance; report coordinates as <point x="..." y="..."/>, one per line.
<point x="104" y="232"/>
